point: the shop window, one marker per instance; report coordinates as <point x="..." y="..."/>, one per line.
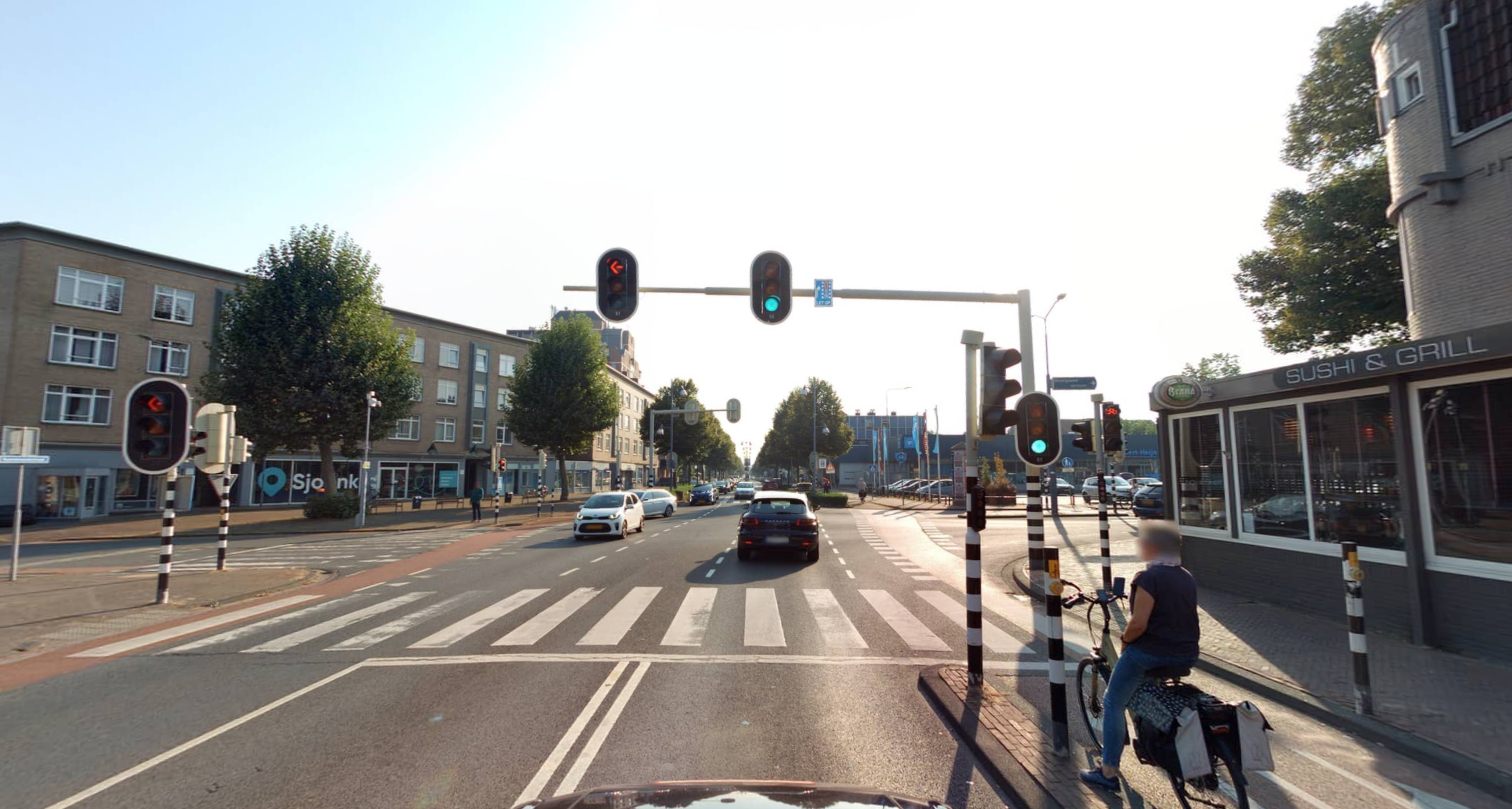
<point x="1467" y="454"/>
<point x="1200" y="472"/>
<point x="134" y="490"/>
<point x="1268" y="453"/>
<point x="1351" y="462"/>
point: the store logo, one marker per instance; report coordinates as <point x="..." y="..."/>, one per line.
<point x="272" y="481"/>
<point x="1178" y="392"/>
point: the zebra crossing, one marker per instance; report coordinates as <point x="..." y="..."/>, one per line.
<point x="938" y="536"/>
<point x="346" y="553"/>
<point x="869" y="536"/>
<point x="761" y="619"/>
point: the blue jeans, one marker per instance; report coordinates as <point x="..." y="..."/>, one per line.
<point x="1127" y="675"/>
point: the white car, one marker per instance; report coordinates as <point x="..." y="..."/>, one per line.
<point x="1118" y="489"/>
<point x="658" y="503"/>
<point x="613" y="514"/>
<point x="745" y="490"/>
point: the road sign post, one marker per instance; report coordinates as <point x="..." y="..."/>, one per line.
<point x="19" y="447"/>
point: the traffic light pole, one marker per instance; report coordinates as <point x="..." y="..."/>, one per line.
<point x="976" y="512"/>
<point x="165" y="550"/>
<point x="1102" y="493"/>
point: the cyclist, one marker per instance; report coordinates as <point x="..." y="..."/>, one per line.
<point x="1162" y="633"/>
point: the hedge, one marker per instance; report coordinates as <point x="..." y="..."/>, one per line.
<point x="342" y="505"/>
<point x="831" y="500"/>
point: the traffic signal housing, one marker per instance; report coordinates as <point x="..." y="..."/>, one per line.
<point x="618" y="285"/>
<point x="156" y="435"/>
<point x="771" y="287"/>
<point x="1083" y="440"/>
<point x="1112" y="427"/>
<point x="1038" y="438"/>
<point x="997" y="417"/>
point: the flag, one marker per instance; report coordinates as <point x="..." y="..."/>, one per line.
<point x="916" y="444"/>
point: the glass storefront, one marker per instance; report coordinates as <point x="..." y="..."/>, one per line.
<point x="135" y="491"/>
<point x="1467" y="454"/>
<point x="1199" y="471"/>
<point x="70" y="497"/>
<point x="400" y="481"/>
<point x="1351" y="463"/>
<point x="1268" y="460"/>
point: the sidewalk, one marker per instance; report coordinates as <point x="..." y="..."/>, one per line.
<point x="263" y="520"/>
<point x="1455" y="702"/>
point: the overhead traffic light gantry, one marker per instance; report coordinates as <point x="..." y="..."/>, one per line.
<point x="618" y="277"/>
<point x="997" y="388"/>
<point x="771" y="287"/>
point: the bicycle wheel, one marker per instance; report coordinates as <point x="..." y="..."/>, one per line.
<point x="1214" y="790"/>
<point x="1091" y="685"/>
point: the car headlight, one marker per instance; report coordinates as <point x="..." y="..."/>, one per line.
<point x="616" y="515"/>
<point x="579" y="516"/>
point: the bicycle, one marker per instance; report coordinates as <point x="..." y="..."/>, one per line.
<point x="1153" y="746"/>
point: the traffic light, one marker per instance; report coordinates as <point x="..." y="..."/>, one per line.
<point x="1038" y="434"/>
<point x="1112" y="427"/>
<point x="211" y="439"/>
<point x="1083" y="440"/>
<point x="156" y="436"/>
<point x="771" y="287"/>
<point x="618" y="285"/>
<point x="997" y="416"/>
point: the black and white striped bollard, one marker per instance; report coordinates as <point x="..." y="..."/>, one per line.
<point x="1354" y="607"/>
<point x="1102" y="531"/>
<point x="1034" y="520"/>
<point x="223" y="531"/>
<point x="165" y="550"/>
<point x="1055" y="652"/>
<point x="976" y="520"/>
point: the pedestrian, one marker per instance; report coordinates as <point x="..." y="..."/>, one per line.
<point x="826" y="486"/>
<point x="476" y="498"/>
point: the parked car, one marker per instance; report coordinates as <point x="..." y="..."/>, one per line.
<point x="1118" y="489"/>
<point x="609" y="514"/>
<point x="1141" y="482"/>
<point x="805" y="486"/>
<point x="1149" y="501"/>
<point x="745" y="490"/>
<point x="659" y="502"/>
<point x="1057" y="485"/>
<point x="778" y="521"/>
<point x="702" y="495"/>
<point x="937" y="488"/>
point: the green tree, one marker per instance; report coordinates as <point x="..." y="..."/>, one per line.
<point x="695" y="443"/>
<point x="562" y="393"/>
<point x="1139" y="427"/>
<point x="300" y="345"/>
<point x="796" y="424"/>
<point x="1214" y="366"/>
<point x="1332" y="277"/>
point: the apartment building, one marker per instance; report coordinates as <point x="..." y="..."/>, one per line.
<point x="619" y="452"/>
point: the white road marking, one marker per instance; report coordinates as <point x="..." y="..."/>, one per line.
<point x="477" y="620"/>
<point x="421" y="570"/>
<point x="408" y="622"/>
<point x="133" y="644"/>
<point x="710" y="574"/>
<point x="910" y="569"/>
<point x="612" y="627"/>
<point x="850" y="574"/>
<point x="638" y="541"/>
<point x="568" y="572"/>
<point x="254" y="628"/>
<point x="324" y="628"/>
<point x="840" y="559"/>
<point x="620" y="550"/>
<point x="369" y="587"/>
<point x="995" y="638"/>
<point x="596" y="741"/>
<point x="834" y="625"/>
<point x="691" y="622"/>
<point x="1399" y="800"/>
<point x="536" y="628"/>
<point x="549" y="766"/>
<point x="719" y="559"/>
<point x="600" y="559"/>
<point x="1294" y="790"/>
<point x="910" y="629"/>
<point x="924" y="578"/>
<point x="763" y="622"/>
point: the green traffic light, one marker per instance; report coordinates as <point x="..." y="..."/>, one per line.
<point x="1038" y="445"/>
<point x="772" y="303"/>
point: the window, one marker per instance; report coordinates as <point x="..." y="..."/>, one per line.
<point x="480" y="397"/>
<point x="451" y="356"/>
<point x="480" y="360"/>
<point x="1477" y="53"/>
<point x="168" y="357"/>
<point x="417" y="393"/>
<point x="1199" y="472"/>
<point x="90" y="290"/>
<point x="503" y="398"/>
<point x="71" y="346"/>
<point x="1467" y="456"/>
<point x="407" y="429"/>
<point x="1352" y="466"/>
<point x="1409" y="86"/>
<point x="502" y="435"/>
<point x="66" y="404"/>
<point x="175" y="305"/>
<point x="446" y="391"/>
<point x="479" y="428"/>
<point x="506" y="365"/>
<point x="1273" y="496"/>
<point x="417" y="350"/>
<point x="446" y="431"/>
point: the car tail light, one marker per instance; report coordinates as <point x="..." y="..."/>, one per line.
<point x="750" y="521"/>
<point x="806" y="523"/>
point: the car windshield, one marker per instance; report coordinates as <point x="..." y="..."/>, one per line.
<point x="778" y="505"/>
<point x="704" y="488"/>
<point x="604" y="501"/>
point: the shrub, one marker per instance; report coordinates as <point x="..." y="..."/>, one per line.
<point x="831" y="500"/>
<point x="342" y="505"/>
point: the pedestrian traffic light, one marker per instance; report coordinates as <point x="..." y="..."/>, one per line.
<point x="997" y="387"/>
<point x="156" y="435"/>
<point x="1083" y="440"/>
<point x="618" y="285"/>
<point x="771" y="287"/>
<point x="1038" y="438"/>
<point x="1112" y="427"/>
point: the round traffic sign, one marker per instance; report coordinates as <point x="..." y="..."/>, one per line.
<point x="901" y="457"/>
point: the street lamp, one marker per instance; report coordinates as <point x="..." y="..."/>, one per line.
<point x="1049" y="388"/>
<point x="367" y="446"/>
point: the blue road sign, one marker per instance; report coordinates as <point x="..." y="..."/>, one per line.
<point x="824" y="292"/>
<point x="1073" y="383"/>
<point x="901" y="457"/>
<point x="871" y="468"/>
<point x="1067" y="463"/>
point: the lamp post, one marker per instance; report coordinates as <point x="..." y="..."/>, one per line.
<point x="1053" y="478"/>
<point x="813" y="390"/>
<point x="367" y="446"/>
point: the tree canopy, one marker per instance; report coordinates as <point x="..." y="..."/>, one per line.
<point x="300" y="345"/>
<point x="792" y="435"/>
<point x="1214" y="366"/>
<point x="702" y="443"/>
<point x="562" y="393"/>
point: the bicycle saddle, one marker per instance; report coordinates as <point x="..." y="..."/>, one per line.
<point x="1168" y="672"/>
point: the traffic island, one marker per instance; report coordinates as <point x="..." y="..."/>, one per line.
<point x="1011" y="742"/>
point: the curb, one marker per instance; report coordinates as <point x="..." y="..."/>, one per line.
<point x="1455" y="764"/>
<point x="1018" y="783"/>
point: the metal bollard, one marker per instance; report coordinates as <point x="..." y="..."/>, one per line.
<point x="165" y="550"/>
<point x="496" y="506"/>
<point x="976" y="520"/>
<point x="1034" y="519"/>
<point x="1354" y="607"/>
<point x="223" y="531"/>
<point x="1102" y="531"/>
<point x="1055" y="652"/>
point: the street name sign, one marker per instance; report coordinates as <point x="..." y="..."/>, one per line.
<point x="1074" y="383"/>
<point x="26" y="460"/>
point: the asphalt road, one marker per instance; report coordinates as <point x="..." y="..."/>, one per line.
<point x="532" y="665"/>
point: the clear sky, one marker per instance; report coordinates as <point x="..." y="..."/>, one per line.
<point x="486" y="153"/>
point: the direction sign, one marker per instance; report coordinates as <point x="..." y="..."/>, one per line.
<point x="901" y="457"/>
<point x="1073" y="383"/>
<point x="26" y="460"/>
<point x="824" y="292"/>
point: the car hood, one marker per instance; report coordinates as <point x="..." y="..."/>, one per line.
<point x="727" y="794"/>
<point x="600" y="512"/>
